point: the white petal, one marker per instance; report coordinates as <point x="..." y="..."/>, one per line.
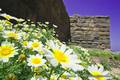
<point x="49" y="56"/>
<point x="38" y="55"/>
<point x="105" y="73"/>
<point x="29" y="64"/>
<point x="47" y="51"/>
<point x="73" y="58"/>
<point x="101" y="68"/>
<point x="53" y="62"/>
<point x="43" y="61"/>
<point x="51" y="44"/>
<point x="63" y="48"/>
<point x="95" y="67"/>
<point x="5" y="59"/>
<point x="77" y="67"/>
<point x="57" y="46"/>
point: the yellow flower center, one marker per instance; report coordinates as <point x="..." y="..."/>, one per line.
<point x="12" y="34"/>
<point x="36" y="60"/>
<point x="98" y="75"/>
<point x="61" y="56"/>
<point x="5" y="51"/>
<point x="35" y="44"/>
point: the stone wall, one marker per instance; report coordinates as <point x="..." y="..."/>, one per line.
<point x="90" y="31"/>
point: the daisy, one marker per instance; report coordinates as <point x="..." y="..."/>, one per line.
<point x="25" y="35"/>
<point x="7" y="50"/>
<point x="12" y="34"/>
<point x="8" y="17"/>
<point x="7" y="24"/>
<point x="36" y="60"/>
<point x="61" y="54"/>
<point x="35" y="45"/>
<point x="98" y="73"/>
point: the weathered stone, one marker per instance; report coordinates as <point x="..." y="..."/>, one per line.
<point x="40" y="10"/>
<point x="91" y="31"/>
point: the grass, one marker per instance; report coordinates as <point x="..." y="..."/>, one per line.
<point x="116" y="56"/>
<point x="100" y="53"/>
<point x="104" y="54"/>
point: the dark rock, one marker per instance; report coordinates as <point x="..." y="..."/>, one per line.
<point x="40" y="10"/>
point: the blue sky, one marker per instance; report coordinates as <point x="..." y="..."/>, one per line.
<point x="99" y="7"/>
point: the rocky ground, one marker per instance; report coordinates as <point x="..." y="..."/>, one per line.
<point x="115" y="64"/>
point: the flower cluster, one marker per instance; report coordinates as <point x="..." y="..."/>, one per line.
<point x="30" y="52"/>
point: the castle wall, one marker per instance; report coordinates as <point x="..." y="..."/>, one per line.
<point x="90" y="31"/>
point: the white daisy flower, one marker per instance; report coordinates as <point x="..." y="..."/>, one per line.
<point x="98" y="73"/>
<point x="11" y="34"/>
<point x="7" y="50"/>
<point x="8" y="17"/>
<point x="24" y="35"/>
<point x="36" y="60"/>
<point x="35" y="45"/>
<point x="61" y="54"/>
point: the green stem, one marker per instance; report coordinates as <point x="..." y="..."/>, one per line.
<point x="50" y="73"/>
<point x="4" y="69"/>
<point x="67" y="70"/>
<point x="60" y="75"/>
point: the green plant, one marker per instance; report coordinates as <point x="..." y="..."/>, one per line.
<point x="116" y="56"/>
<point x="30" y="51"/>
<point x="100" y="53"/>
<point x="116" y="77"/>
